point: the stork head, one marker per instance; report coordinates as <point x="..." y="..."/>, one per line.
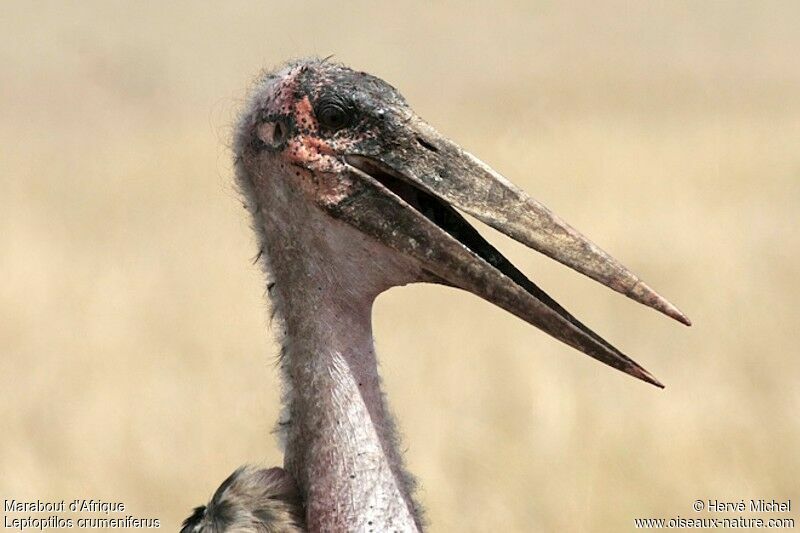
<point x="348" y="144"/>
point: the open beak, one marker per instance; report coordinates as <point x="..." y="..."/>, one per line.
<point x="404" y="195"/>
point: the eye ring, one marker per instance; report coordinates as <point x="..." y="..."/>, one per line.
<point x="333" y="115"/>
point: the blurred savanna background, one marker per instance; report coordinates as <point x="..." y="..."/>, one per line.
<point x="137" y="363"/>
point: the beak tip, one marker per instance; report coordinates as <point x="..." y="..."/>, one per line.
<point x="646" y="295"/>
<point x="640" y="373"/>
<point x="675" y="313"/>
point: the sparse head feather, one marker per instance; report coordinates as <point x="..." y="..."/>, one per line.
<point x="307" y="114"/>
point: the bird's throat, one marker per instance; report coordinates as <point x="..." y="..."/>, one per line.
<point x="340" y="443"/>
<point x="340" y="440"/>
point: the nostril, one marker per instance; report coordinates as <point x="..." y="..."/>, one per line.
<point x="279" y="133"/>
<point x="425" y="144"/>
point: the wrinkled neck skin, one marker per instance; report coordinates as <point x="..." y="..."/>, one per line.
<point x="340" y="443"/>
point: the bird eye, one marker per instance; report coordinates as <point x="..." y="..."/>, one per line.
<point x="333" y="115"/>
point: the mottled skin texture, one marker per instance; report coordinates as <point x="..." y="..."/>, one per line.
<point x="351" y="194"/>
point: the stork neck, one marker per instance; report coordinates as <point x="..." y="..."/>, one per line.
<point x="340" y="440"/>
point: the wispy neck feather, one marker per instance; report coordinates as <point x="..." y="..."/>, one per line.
<point x="340" y="442"/>
<point x="340" y="438"/>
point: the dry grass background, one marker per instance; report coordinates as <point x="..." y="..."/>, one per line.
<point x="135" y="362"/>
